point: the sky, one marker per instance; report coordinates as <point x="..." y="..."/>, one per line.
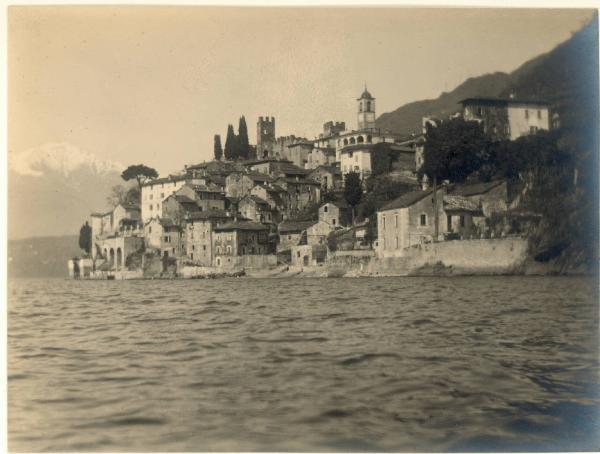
<point x="152" y="84"/>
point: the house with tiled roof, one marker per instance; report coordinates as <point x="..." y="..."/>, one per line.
<point x="198" y="234"/>
<point x="290" y="233"/>
<point x="491" y="196"/>
<point x="257" y="209"/>
<point x="235" y="239"/>
<point x="330" y="177"/>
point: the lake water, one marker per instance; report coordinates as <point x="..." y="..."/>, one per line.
<point x="377" y="364"/>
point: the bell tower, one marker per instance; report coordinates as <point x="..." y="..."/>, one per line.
<point x="265" y="137"/>
<point x="366" y="110"/>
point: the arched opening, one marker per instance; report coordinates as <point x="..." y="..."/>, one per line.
<point x="360" y="139"/>
<point x="265" y="153"/>
<point x="360" y="107"/>
<point x="352" y="141"/>
<point x="119" y="258"/>
<point x="112" y="256"/>
<point x="369" y="139"/>
<point x="105" y="254"/>
<point x="218" y="261"/>
<point x="345" y="142"/>
<point x="368" y="106"/>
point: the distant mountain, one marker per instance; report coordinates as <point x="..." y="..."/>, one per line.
<point x="563" y="76"/>
<point x="53" y="188"/>
<point x="41" y="257"/>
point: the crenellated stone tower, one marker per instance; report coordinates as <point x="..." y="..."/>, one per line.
<point x="265" y="137"/>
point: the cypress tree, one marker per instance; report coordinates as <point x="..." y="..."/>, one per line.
<point x="218" y="148"/>
<point x="230" y="144"/>
<point x="243" y="143"/>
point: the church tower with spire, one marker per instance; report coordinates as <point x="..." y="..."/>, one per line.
<point x="366" y="110"/>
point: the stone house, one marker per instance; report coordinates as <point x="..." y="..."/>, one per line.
<point x="198" y="235"/>
<point x="153" y="233"/>
<point x="321" y="156"/>
<point x="318" y="232"/>
<point x="155" y="191"/>
<point x="273" y="194"/>
<point x="491" y="196"/>
<point x="298" y="153"/>
<point x="172" y="240"/>
<point x="175" y="207"/>
<point x="299" y="193"/>
<point x="359" y="158"/>
<point x="309" y="255"/>
<point x="408" y="220"/>
<point x="290" y="233"/>
<point x="239" y="184"/>
<point x="239" y="238"/>
<point x="336" y="213"/>
<point x="122" y="220"/>
<point x="256" y="209"/>
<point x="329" y="177"/>
<point x="507" y="119"/>
<point x="207" y="197"/>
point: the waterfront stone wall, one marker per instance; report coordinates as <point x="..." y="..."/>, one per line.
<point x="481" y="256"/>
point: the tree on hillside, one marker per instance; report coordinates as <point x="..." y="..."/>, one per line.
<point x="381" y="158"/>
<point x="243" y="143"/>
<point x="218" y="149"/>
<point x="121" y="194"/>
<point x="140" y="173"/>
<point x="230" y="144"/>
<point x="353" y="190"/>
<point x="452" y="152"/>
<point x="85" y="238"/>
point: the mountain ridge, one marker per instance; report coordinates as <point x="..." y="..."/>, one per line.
<point x="537" y="78"/>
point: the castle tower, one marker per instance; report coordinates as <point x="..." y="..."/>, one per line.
<point x="265" y="137"/>
<point x="366" y="110"/>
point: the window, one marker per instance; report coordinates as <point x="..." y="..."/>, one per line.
<point x="368" y="106"/>
<point x="527" y="113"/>
<point x="333" y="221"/>
<point x="449" y="223"/>
<point x="229" y="249"/>
<point x="151" y="207"/>
<point x="423" y="219"/>
<point x="396" y="221"/>
<point x="383" y="222"/>
<point x="191" y="256"/>
<point x="325" y="209"/>
<point x="539" y="114"/>
<point x="150" y="229"/>
<point x="289" y="237"/>
<point x="193" y="247"/>
<point x="462" y="221"/>
<point x="204" y="247"/>
<point x="396" y="242"/>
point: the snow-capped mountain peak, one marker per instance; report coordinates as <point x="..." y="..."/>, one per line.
<point x="61" y="157"/>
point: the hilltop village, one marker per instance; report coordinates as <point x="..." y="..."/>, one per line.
<point x="289" y="208"/>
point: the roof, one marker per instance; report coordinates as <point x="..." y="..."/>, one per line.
<point x="459" y="203"/>
<point x="358" y="146"/>
<point x="301" y="144"/>
<point x="130" y="206"/>
<point x="169" y="179"/>
<point x="467" y="190"/>
<point x="203" y="188"/>
<point x="209" y="214"/>
<point x="257" y="176"/>
<point x="303" y="181"/>
<point x="242" y="225"/>
<point x="406" y="200"/>
<point x="365" y="95"/>
<point x="167" y="222"/>
<point x="501" y="101"/>
<point x="294" y="226"/>
<point x="256" y="200"/>
<point x="331" y="169"/>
